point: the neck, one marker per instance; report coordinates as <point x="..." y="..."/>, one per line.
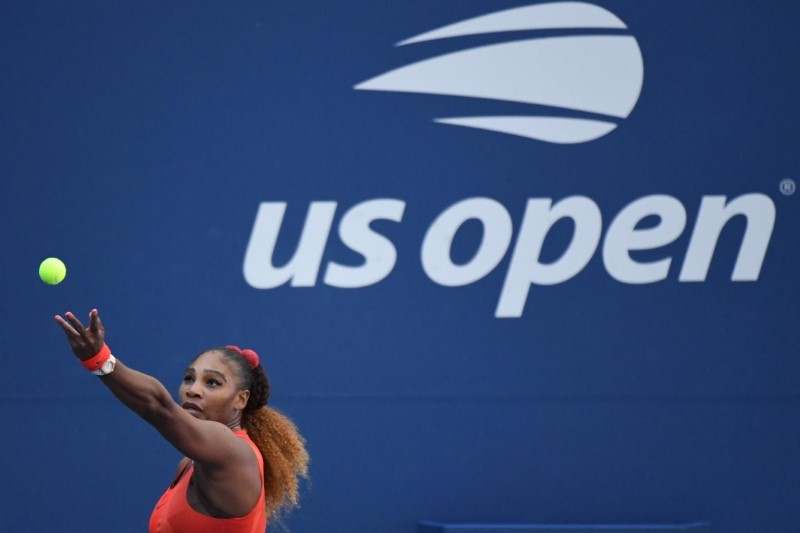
<point x="236" y="423"/>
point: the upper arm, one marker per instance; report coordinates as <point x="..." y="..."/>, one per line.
<point x="206" y="442"/>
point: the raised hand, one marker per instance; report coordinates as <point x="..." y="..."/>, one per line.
<point x="85" y="343"/>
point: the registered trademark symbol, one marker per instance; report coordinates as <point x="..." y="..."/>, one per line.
<point x="787" y="186"/>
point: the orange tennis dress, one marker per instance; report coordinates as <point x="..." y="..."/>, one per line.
<point x="173" y="514"/>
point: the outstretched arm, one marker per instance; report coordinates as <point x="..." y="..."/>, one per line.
<point x="208" y="443"/>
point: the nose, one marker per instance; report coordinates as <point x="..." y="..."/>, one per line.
<point x="193" y="390"/>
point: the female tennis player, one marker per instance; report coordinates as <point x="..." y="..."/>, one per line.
<point x="242" y="459"/>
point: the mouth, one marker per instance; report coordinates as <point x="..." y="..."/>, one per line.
<point x="192" y="407"/>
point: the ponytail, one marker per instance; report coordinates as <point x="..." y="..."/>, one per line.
<point x="285" y="458"/>
<point x="277" y="438"/>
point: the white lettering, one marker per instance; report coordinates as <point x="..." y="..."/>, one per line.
<point x="526" y="269"/>
<point x="302" y="269"/>
<point x="714" y="214"/>
<point x="379" y="253"/>
<point x="436" y="247"/>
<point x="622" y="237"/>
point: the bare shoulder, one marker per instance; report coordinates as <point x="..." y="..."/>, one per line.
<point x="232" y="489"/>
<point x="204" y="441"/>
<point x="240" y="455"/>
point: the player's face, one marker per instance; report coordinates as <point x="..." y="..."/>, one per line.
<point x="210" y="391"/>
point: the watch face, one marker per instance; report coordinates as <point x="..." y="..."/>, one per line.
<point x="107" y="367"/>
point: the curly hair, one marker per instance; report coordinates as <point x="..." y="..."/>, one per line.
<point x="281" y="445"/>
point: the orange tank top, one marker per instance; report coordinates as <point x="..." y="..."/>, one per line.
<point x="173" y="514"/>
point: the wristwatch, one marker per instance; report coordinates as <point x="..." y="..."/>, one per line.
<point x="107" y="368"/>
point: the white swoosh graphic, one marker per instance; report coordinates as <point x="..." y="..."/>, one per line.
<point x="560" y="130"/>
<point x="598" y="73"/>
<point x="538" y="17"/>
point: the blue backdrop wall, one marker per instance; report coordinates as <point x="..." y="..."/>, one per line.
<point x="539" y="266"/>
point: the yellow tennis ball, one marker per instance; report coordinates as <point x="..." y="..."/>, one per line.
<point x="52" y="271"/>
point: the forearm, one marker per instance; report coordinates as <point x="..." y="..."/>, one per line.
<point x="143" y="394"/>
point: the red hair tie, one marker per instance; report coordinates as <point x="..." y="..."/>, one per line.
<point x="249" y="355"/>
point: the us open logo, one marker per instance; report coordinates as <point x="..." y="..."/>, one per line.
<point x="583" y="86"/>
<point x="579" y="88"/>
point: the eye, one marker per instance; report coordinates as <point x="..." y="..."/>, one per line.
<point x="214" y="383"/>
<point x="188" y="379"/>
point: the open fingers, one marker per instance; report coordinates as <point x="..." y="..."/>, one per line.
<point x="94" y="321"/>
<point x="74" y="322"/>
<point x="96" y="327"/>
<point x="101" y="331"/>
<point x="77" y="326"/>
<point x="68" y="329"/>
